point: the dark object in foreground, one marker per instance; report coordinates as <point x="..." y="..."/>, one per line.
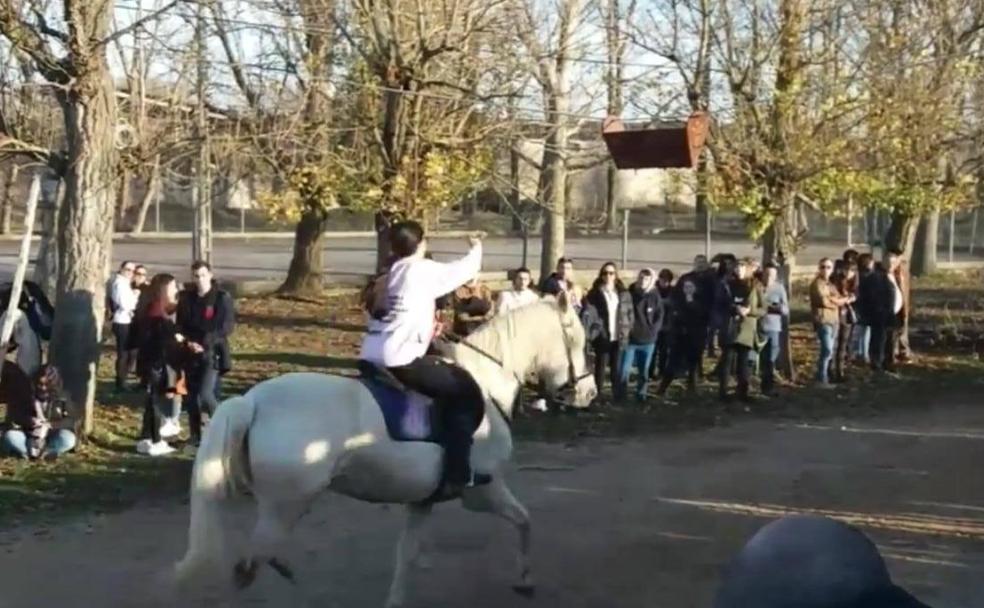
<point x="810" y="562"/>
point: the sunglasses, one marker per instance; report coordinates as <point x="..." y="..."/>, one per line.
<point x="608" y="273"/>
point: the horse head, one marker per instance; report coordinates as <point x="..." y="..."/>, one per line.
<point x="564" y="367"/>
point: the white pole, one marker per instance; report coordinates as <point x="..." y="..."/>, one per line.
<point x="22" y="261"/>
<point x="953" y="228"/>
<point x="625" y="238"/>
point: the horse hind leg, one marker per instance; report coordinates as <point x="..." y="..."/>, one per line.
<point x="497" y="499"/>
<point x="274" y="524"/>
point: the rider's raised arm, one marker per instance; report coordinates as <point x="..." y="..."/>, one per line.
<point x="447" y="276"/>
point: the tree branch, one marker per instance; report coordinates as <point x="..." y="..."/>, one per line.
<point x="28" y="40"/>
<point x="135" y="25"/>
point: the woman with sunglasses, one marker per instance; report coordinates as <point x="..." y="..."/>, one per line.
<point x="608" y="318"/>
<point x="825" y="305"/>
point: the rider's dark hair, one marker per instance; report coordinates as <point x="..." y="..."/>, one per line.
<point x="405" y="237"/>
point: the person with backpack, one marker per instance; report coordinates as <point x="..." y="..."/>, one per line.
<point x="122" y="303"/>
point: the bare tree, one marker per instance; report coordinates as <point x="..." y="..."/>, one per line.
<point x="551" y="50"/>
<point x="74" y="62"/>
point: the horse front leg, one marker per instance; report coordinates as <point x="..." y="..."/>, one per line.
<point x="408" y="550"/>
<point x="497" y="499"/>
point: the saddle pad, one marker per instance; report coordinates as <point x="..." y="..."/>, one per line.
<point x="409" y="416"/>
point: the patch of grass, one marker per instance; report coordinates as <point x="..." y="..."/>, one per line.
<point x="276" y="336"/>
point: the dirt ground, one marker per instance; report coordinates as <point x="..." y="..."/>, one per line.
<point x="641" y="522"/>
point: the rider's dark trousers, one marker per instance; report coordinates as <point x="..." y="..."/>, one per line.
<point x="461" y="405"/>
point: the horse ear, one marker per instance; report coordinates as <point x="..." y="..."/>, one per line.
<point x="563" y="301"/>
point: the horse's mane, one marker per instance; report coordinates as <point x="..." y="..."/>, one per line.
<point x="516" y="327"/>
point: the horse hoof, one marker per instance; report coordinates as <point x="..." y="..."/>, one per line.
<point x="527" y="590"/>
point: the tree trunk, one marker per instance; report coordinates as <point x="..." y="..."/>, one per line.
<point x="779" y="246"/>
<point x="515" y="192"/>
<point x="123" y="199"/>
<point x="924" y="258"/>
<point x="306" y="272"/>
<point x="153" y="188"/>
<point x="553" y="178"/>
<point x="701" y="206"/>
<point x="7" y="197"/>
<point x="46" y="267"/>
<point x="611" y="198"/>
<point x="85" y="225"/>
<point x="382" y="221"/>
<point x="900" y="234"/>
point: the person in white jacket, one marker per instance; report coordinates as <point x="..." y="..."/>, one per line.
<point x="520" y="295"/>
<point x="400" y="334"/>
<point x="122" y="304"/>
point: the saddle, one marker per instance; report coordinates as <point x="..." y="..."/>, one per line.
<point x="409" y="415"/>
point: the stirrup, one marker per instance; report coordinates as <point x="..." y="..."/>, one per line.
<point x="447" y="491"/>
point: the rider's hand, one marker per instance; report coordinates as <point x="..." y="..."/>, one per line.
<point x="474" y="240"/>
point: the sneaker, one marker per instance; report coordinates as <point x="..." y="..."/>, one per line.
<point x="144" y="446"/>
<point x="539" y="405"/>
<point x="161" y="448"/>
<point x="171" y="428"/>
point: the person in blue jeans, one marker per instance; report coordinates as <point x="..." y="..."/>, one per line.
<point x="56" y="442"/>
<point x="825" y="304"/>
<point x="647" y="319"/>
<point x="29" y="434"/>
<point x="770" y="325"/>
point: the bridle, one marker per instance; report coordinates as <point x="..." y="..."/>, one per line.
<point x="572" y="376"/>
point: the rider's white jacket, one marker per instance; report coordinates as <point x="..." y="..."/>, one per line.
<point x="411" y="288"/>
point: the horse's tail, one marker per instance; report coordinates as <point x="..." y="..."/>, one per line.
<point x="220" y="468"/>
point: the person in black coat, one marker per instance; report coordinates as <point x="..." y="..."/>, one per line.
<point x="647" y="321"/>
<point x="876" y="298"/>
<point x="607" y="318"/>
<point x="688" y="327"/>
<point x="661" y="360"/>
<point x="805" y="561"/>
<point x="205" y="317"/>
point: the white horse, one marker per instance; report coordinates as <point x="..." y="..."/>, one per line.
<point x="290" y="438"/>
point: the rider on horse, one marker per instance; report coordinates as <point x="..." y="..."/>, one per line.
<point x="401" y="329"/>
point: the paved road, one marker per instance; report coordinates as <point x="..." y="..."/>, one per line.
<point x="269" y="258"/>
<point x="617" y="524"/>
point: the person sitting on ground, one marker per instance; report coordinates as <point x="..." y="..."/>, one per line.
<point x="473" y="306"/>
<point x="563" y="280"/>
<point x="161" y="352"/>
<point x="398" y="341"/>
<point x="28" y="431"/>
<point x="647" y="320"/>
<point x="519" y="295"/>
<point x="608" y="319"/>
